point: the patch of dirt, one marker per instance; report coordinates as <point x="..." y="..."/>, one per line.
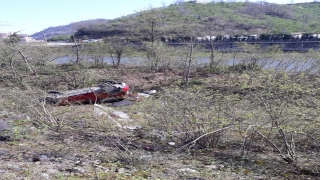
<point x="146" y="81"/>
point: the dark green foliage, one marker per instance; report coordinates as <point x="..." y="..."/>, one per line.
<point x="60" y="38"/>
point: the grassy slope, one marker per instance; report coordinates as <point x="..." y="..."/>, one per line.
<point x="231" y="18"/>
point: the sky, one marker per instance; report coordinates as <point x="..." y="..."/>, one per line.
<point x="31" y="16"/>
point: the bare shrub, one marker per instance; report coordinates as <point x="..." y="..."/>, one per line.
<point x="185" y="115"/>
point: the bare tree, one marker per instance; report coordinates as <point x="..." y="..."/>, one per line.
<point x="10" y="60"/>
<point x="117" y="47"/>
<point x="77" y="48"/>
<point x="96" y="51"/>
<point x="151" y="28"/>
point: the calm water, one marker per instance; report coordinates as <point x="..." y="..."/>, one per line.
<point x="288" y="65"/>
<point x="107" y="59"/>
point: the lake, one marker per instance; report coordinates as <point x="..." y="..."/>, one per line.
<point x="287" y="65"/>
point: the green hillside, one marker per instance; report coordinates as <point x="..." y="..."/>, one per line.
<point x="220" y="18"/>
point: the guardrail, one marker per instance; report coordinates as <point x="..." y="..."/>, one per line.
<point x="289" y="45"/>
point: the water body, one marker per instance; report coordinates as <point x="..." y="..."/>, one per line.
<point x="310" y="65"/>
<point x="108" y="60"/>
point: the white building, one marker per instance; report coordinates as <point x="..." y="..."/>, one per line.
<point x="200" y="1"/>
<point x="5" y="34"/>
<point x="296" y="35"/>
<point x="25" y="38"/>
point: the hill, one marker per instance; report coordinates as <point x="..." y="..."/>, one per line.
<point x="66" y="30"/>
<point x="215" y="18"/>
<point x="220" y="18"/>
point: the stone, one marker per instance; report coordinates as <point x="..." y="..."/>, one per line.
<point x="40" y="158"/>
<point x="4" y="152"/>
<point x="45" y="176"/>
<point x="151" y="92"/>
<point x="187" y="170"/>
<point x="121" y="171"/>
<point x="212" y="167"/>
<point x="4" y="126"/>
<point x="144" y="95"/>
<point x="121" y="103"/>
<point x="132" y="127"/>
<point x="79" y="169"/>
<point x="71" y="158"/>
<point x="43" y="158"/>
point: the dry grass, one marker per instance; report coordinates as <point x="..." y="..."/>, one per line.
<point x="83" y="145"/>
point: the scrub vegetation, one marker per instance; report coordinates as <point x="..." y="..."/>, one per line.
<point x="249" y="114"/>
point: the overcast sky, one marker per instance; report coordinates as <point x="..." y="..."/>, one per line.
<point x="31" y="16"/>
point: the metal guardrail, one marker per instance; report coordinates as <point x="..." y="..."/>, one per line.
<point x="286" y="45"/>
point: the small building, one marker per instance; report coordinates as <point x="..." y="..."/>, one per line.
<point x="25" y="38"/>
<point x="315" y="36"/>
<point x="209" y="38"/>
<point x="253" y="37"/>
<point x="297" y="35"/>
<point x="200" y="1"/>
<point x="5" y="35"/>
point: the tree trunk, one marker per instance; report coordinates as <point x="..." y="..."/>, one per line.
<point x="187" y="74"/>
<point x="34" y="72"/>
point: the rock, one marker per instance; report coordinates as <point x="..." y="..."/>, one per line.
<point x="97" y="162"/>
<point x="14" y="167"/>
<point x="71" y="158"/>
<point x="66" y="167"/>
<point x="146" y="156"/>
<point x="106" y="170"/>
<point x="172" y="143"/>
<point x="45" y="176"/>
<point x="4" y="152"/>
<point x="44" y="158"/>
<point x="195" y="178"/>
<point x="52" y="171"/>
<point x="132" y="127"/>
<point x="2" y="171"/>
<point x="212" y="167"/>
<point x="151" y="92"/>
<point x="4" y="114"/>
<point x="42" y="143"/>
<point x="122" y="115"/>
<point x="188" y="170"/>
<point x="220" y="167"/>
<point x="40" y="158"/>
<point x="121" y="103"/>
<point x="84" y="163"/>
<point x="79" y="169"/>
<point x="144" y="95"/>
<point x="121" y="171"/>
<point x="4" y="126"/>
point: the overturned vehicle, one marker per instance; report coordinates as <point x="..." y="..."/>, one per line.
<point x="106" y="92"/>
